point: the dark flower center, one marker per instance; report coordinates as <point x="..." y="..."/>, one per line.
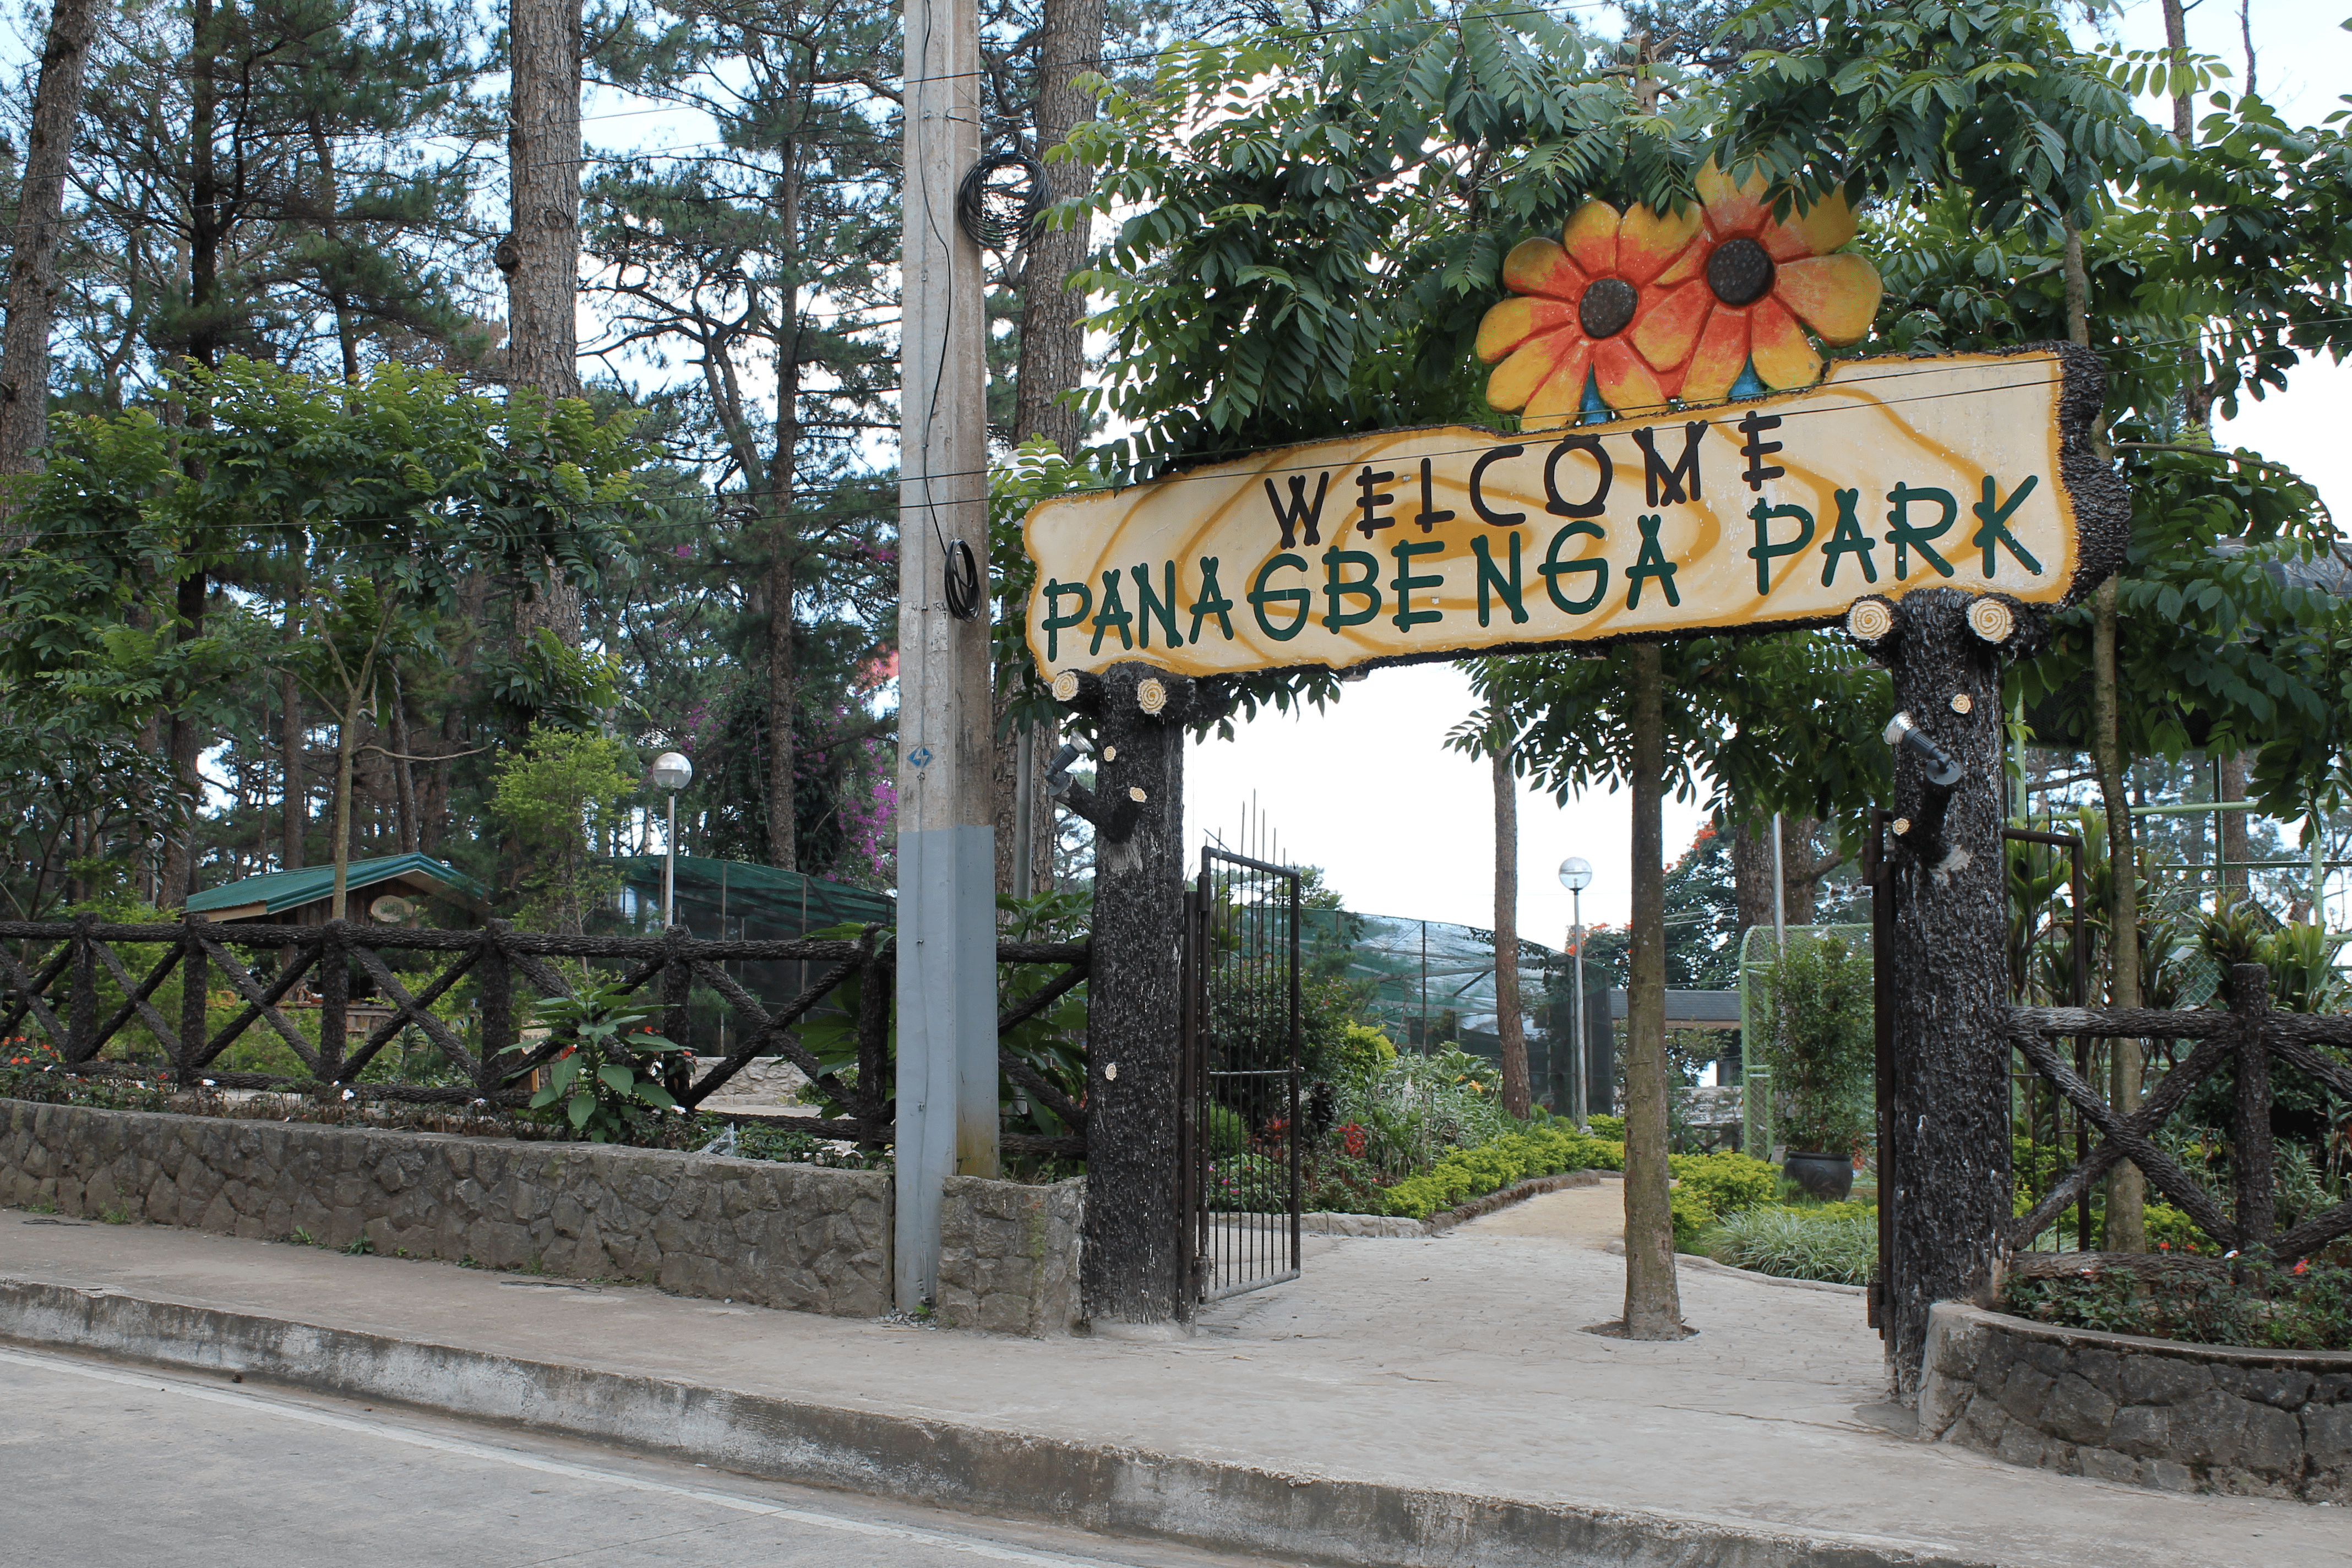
<point x="1607" y="307"/>
<point x="1740" y="272"/>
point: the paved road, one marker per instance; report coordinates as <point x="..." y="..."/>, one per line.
<point x="110" y="1467"/>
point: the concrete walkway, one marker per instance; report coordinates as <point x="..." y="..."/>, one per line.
<point x="1417" y="1401"/>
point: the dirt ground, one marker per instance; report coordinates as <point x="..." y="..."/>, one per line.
<point x="1594" y="1215"/>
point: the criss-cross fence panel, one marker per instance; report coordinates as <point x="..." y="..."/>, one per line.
<point x="50" y="989"/>
<point x="2248" y="1039"/>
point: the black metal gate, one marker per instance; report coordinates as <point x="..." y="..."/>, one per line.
<point x="1240" y="1089"/>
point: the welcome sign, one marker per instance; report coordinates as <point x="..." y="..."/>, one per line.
<point x="1889" y="474"/>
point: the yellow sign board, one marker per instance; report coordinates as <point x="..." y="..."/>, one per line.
<point x="1892" y="474"/>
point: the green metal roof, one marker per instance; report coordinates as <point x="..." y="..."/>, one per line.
<point x="740" y="900"/>
<point x="281" y="890"/>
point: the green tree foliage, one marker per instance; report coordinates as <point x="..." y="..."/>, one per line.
<point x="387" y="496"/>
<point x="286" y="179"/>
<point x="560" y="796"/>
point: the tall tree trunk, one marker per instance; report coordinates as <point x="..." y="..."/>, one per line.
<point x="540" y="255"/>
<point x="183" y="740"/>
<point x="40" y="208"/>
<point x="347" y="728"/>
<point x="404" y="782"/>
<point x="2246" y="37"/>
<point x="1053" y="361"/>
<point x="204" y="224"/>
<point x="783" y="835"/>
<point x="2232" y="785"/>
<point x="1508" y="1027"/>
<point x="1052" y="338"/>
<point x="294" y="807"/>
<point x="2127" y="1187"/>
<point x="1652" y="1299"/>
<point x="1800" y="869"/>
<point x="183" y="744"/>
<point x="332" y="271"/>
<point x="2176" y="44"/>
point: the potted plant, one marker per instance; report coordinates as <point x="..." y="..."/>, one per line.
<point x="1819" y="1042"/>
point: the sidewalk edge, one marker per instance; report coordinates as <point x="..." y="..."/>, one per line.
<point x="1107" y="1489"/>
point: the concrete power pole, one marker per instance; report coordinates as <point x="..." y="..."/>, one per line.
<point x="947" y="841"/>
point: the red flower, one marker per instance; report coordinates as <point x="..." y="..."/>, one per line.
<point x="2303" y="1266"/>
<point x="1353" y="1139"/>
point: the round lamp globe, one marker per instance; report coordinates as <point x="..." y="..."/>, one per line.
<point x="672" y="772"/>
<point x="1575" y="873"/>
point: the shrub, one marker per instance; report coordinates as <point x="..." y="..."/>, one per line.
<point x="2171" y="1231"/>
<point x="1360" y="1055"/>
<point x="1228" y="1133"/>
<point x="1249" y="1183"/>
<point x="1467" y="1173"/>
<point x="1801" y="1244"/>
<point x="1727" y="1183"/>
<point x="1612" y="1127"/>
<point x="2263" y="1307"/>
<point x="1692" y="1216"/>
<point x="1819" y="1042"/>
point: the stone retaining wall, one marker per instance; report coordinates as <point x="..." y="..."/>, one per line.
<point x="775" y="1233"/>
<point x="1009" y="1256"/>
<point x="2155" y="1412"/>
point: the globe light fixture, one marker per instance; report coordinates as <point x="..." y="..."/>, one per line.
<point x="672" y="772"/>
<point x="1576" y="875"/>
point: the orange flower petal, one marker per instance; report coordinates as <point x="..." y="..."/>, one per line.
<point x="1715" y="364"/>
<point x="1541" y="267"/>
<point x="1628" y="383"/>
<point x="1828" y="225"/>
<point x="1732" y="209"/>
<point x="1531" y="364"/>
<point x="1690" y="264"/>
<point x="1783" y="358"/>
<point x="1669" y="322"/>
<point x="1561" y="398"/>
<point x="1837" y="295"/>
<point x="1591" y="237"/>
<point x="1649" y="242"/>
<point x="1517" y="320"/>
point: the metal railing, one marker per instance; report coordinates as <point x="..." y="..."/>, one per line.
<point x="50" y="986"/>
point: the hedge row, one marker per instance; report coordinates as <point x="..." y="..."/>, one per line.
<point x="1468" y="1174"/>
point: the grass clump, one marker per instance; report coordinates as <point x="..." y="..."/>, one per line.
<point x="1837" y="1243"/>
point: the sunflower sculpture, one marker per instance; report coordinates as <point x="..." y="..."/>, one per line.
<point x="1646" y="306"/>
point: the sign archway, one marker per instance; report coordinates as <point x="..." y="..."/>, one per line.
<point x="1933" y="507"/>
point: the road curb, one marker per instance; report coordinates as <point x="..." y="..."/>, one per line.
<point x="1105" y="1488"/>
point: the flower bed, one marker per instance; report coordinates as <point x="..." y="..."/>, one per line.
<point x="2304" y="1306"/>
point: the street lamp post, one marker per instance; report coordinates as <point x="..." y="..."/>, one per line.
<point x="673" y="772"/>
<point x="1576" y="875"/>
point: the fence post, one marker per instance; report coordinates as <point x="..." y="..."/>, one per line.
<point x="81" y="1018"/>
<point x="1756" y="1112"/>
<point x="191" y="1001"/>
<point x="676" y="990"/>
<point x="498" y="1035"/>
<point x="334" y="994"/>
<point x="2250" y="1000"/>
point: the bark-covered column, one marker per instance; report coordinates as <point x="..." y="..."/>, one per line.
<point x="1132" y="1270"/>
<point x="1947" y="1175"/>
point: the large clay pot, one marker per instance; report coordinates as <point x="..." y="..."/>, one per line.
<point x="1829" y="1177"/>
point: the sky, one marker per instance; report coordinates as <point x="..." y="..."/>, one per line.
<point x="1401" y="826"/>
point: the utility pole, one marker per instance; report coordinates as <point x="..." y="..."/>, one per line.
<point x="947" y="839"/>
